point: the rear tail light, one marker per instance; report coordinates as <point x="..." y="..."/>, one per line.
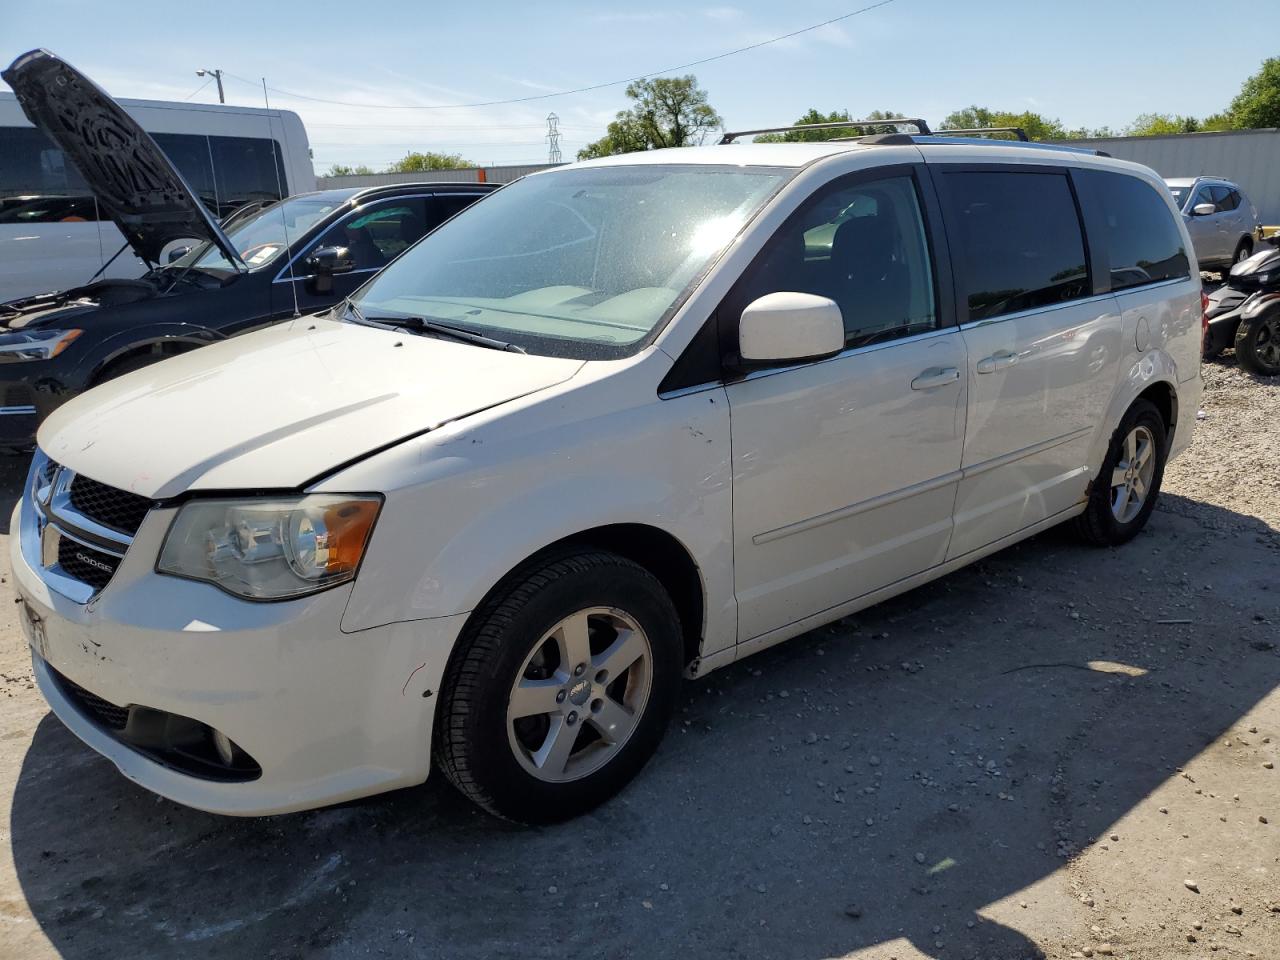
<point x="1204" y="319"/>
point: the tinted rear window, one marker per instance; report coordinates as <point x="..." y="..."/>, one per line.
<point x="1141" y="238"/>
<point x="1018" y="240"/>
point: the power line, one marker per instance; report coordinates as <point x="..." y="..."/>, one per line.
<point x="586" y="89"/>
<point x="199" y="88"/>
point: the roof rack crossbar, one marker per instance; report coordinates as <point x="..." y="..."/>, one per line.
<point x="983" y="131"/>
<point x="920" y="125"/>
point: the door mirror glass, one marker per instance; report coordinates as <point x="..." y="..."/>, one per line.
<point x="787" y="326"/>
<point x="1203" y="210"/>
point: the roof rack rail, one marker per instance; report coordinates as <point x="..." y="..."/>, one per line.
<point x="921" y="127"/>
<point x="983" y="131"/>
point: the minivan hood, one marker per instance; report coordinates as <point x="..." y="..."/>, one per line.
<point x="280" y="407"/>
<point x="133" y="180"/>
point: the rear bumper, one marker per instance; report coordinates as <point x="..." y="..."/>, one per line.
<point x="327" y="716"/>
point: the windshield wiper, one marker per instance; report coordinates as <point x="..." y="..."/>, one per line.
<point x="432" y="325"/>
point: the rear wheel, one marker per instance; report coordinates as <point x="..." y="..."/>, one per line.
<point x="1258" y="344"/>
<point x="1124" y="492"/>
<point x="1244" y="250"/>
<point x="561" y="688"/>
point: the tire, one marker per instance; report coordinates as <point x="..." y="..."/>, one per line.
<point x="517" y="641"/>
<point x="1258" y="344"/>
<point x="1244" y="250"/>
<point x="1103" y="523"/>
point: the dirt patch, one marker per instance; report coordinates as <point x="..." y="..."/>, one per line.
<point x="1058" y="752"/>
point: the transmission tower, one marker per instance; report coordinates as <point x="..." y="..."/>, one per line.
<point x="553" y="138"/>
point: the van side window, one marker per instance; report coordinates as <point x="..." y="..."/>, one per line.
<point x="863" y="246"/>
<point x="1142" y="239"/>
<point x="37" y="184"/>
<point x="1018" y="240"/>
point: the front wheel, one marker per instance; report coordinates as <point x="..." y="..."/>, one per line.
<point x="561" y="688"/>
<point x="1124" y="493"/>
<point x="1258" y="344"/>
<point x="1244" y="250"/>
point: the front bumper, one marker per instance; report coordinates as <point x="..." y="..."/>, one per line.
<point x="1221" y="333"/>
<point x="328" y="716"/>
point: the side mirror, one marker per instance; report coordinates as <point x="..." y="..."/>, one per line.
<point x="177" y="253"/>
<point x="1203" y="210"/>
<point x="786" y="326"/>
<point x="324" y="262"/>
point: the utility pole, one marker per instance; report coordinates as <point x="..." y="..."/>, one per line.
<point x="217" y="75"/>
<point x="553" y="138"/>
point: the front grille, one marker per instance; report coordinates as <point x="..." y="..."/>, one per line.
<point x="18" y="395"/>
<point x="86" y="564"/>
<point x="110" y="506"/>
<point x="106" y="713"/>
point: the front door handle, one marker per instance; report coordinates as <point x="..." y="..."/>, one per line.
<point x="1000" y="360"/>
<point x="935" y="377"/>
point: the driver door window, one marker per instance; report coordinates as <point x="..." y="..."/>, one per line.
<point x="377" y="235"/>
<point x="862" y="246"/>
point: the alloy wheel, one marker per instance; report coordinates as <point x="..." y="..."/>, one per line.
<point x="579" y="695"/>
<point x="1133" y="474"/>
<point x="1266" y="344"/>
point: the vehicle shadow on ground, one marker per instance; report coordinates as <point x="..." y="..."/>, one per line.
<point x="883" y="779"/>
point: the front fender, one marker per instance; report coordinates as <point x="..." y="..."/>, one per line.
<point x="1262" y="304"/>
<point x="470" y="504"/>
<point x="125" y="342"/>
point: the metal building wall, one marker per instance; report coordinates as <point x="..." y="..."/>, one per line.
<point x="503" y="174"/>
<point x="1250" y="158"/>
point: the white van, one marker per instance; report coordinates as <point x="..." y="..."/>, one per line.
<point x="617" y="422"/>
<point x="52" y="235"/>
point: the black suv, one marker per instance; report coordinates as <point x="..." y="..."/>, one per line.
<point x="259" y="266"/>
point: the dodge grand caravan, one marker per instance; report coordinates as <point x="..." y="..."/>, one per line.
<point x="623" y="421"/>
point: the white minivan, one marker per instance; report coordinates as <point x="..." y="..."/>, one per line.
<point x="616" y="423"/>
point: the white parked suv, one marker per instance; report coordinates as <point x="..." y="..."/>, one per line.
<point x="618" y="422"/>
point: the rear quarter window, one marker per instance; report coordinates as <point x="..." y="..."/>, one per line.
<point x="1140" y="237"/>
<point x="1017" y="238"/>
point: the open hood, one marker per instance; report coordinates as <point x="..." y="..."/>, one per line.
<point x="133" y="180"/>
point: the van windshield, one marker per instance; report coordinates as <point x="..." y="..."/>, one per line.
<point x="261" y="237"/>
<point x="583" y="263"/>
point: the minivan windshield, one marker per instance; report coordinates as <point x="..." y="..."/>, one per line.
<point x="263" y="236"/>
<point x="582" y="263"/>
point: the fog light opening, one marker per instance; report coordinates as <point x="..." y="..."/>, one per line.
<point x="226" y="749"/>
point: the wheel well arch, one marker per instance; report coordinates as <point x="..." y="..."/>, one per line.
<point x="1162" y="395"/>
<point x="650" y="547"/>
<point x="162" y="346"/>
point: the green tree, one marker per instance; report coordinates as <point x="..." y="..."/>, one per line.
<point x="813" y="115"/>
<point x="1035" y="126"/>
<point x="667" y="112"/>
<point x="1158" y="124"/>
<point x="343" y="170"/>
<point x="1258" y="103"/>
<point x="414" y="162"/>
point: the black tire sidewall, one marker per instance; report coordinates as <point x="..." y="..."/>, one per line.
<point x="513" y="791"/>
<point x="1142" y="413"/>
<point x="1246" y="340"/>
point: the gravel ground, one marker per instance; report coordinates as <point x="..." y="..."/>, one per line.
<point x="1058" y="752"/>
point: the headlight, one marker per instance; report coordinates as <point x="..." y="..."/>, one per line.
<point x="270" y="549"/>
<point x="34" y="344"/>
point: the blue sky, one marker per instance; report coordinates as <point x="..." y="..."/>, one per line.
<point x="1087" y="62"/>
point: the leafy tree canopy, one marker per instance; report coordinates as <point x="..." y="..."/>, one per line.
<point x="1258" y="103"/>
<point x="666" y="112"/>
<point x="413" y="162"/>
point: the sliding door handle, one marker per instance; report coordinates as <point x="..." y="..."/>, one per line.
<point x="935" y="377"/>
<point x="1000" y="360"/>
